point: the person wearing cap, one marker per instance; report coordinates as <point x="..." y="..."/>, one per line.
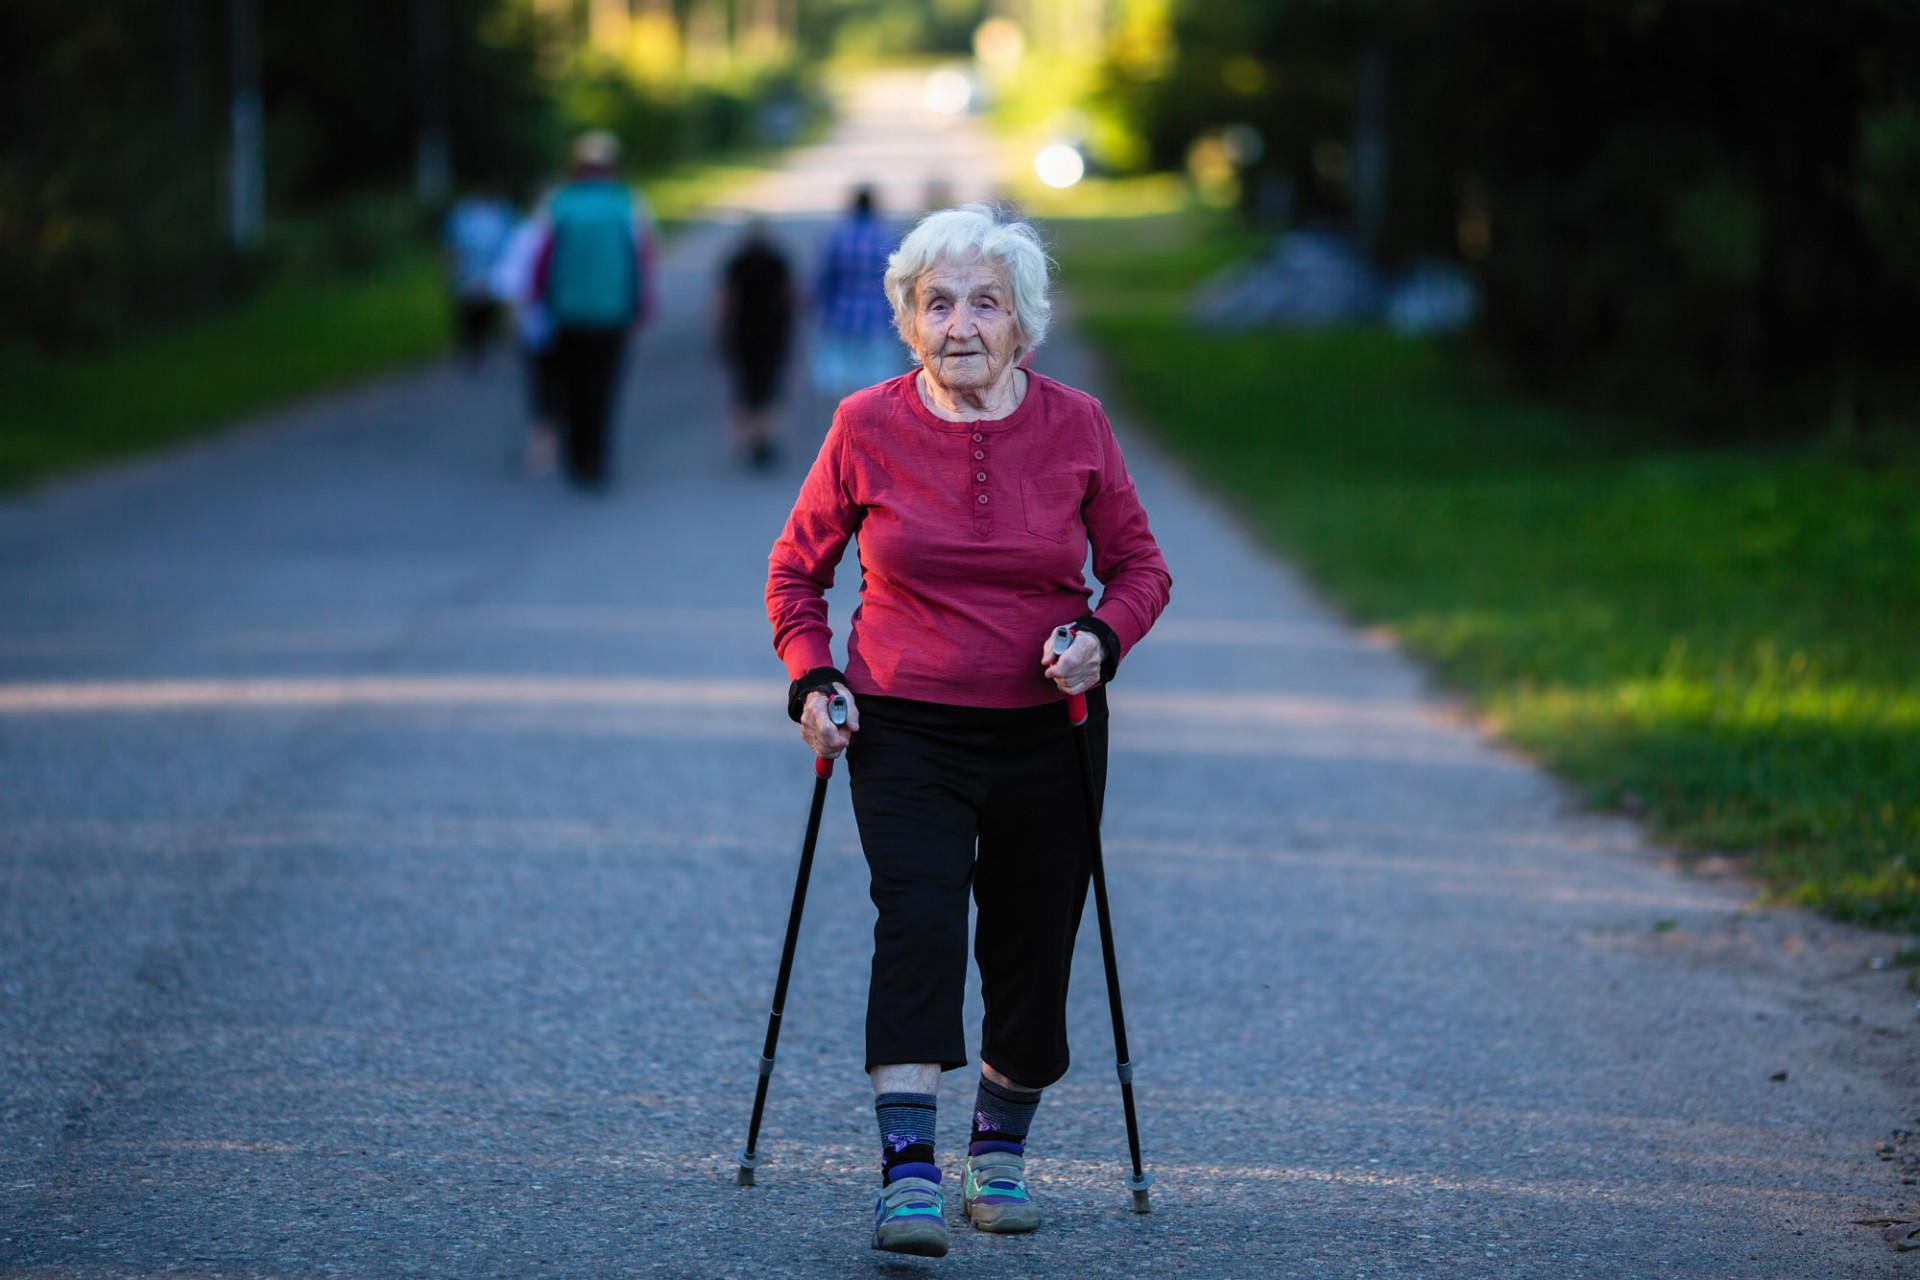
<point x="977" y="488"/>
<point x="594" y="282"/>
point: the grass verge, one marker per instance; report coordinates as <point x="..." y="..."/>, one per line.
<point x="67" y="410"/>
<point x="1725" y="641"/>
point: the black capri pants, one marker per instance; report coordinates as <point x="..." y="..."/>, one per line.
<point x="951" y="799"/>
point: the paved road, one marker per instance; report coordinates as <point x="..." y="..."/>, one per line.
<point x="393" y="854"/>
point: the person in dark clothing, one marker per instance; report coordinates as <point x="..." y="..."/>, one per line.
<point x="593" y="279"/>
<point x="756" y="333"/>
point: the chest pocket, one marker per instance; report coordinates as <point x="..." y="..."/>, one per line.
<point x="1052" y="504"/>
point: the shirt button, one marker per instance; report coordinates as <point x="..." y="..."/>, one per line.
<point x="977" y="437"/>
<point x="983" y="499"/>
<point x="981" y="476"/>
<point x="979" y="455"/>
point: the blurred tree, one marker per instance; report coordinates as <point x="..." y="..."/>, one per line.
<point x="133" y="190"/>
<point x="879" y="28"/>
<point x="119" y="186"/>
<point x="1702" y="206"/>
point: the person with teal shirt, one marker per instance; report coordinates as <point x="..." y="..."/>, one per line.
<point x="594" y="281"/>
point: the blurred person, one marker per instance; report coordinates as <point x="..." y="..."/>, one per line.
<point x="476" y="230"/>
<point x="756" y="332"/>
<point x="976" y="488"/>
<point x="856" y="345"/>
<point x="512" y="283"/>
<point x="594" y="278"/>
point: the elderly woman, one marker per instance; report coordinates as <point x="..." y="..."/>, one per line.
<point x="976" y="488"/>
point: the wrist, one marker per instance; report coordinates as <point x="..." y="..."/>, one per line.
<point x="1109" y="644"/>
<point x="819" y="680"/>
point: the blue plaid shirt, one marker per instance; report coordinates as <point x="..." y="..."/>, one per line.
<point x="851" y="298"/>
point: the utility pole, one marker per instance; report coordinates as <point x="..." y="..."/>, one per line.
<point x="246" y="177"/>
<point x="189" y="44"/>
<point x="1370" y="149"/>
<point x="432" y="161"/>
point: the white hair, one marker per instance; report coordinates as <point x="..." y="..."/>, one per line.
<point x="974" y="233"/>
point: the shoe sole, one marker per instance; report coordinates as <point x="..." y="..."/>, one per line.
<point x="1004" y="1219"/>
<point x="921" y="1242"/>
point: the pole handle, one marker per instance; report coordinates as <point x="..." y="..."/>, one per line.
<point x="1076" y="702"/>
<point x="836" y="712"/>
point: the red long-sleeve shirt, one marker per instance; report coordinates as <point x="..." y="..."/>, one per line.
<point x="973" y="536"/>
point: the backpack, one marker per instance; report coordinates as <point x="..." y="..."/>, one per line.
<point x="593" y="280"/>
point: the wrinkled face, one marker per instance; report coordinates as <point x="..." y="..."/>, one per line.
<point x="963" y="325"/>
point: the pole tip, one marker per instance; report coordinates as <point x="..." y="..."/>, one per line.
<point x="1140" y="1204"/>
<point x="1138" y="1185"/>
<point x="744" y="1176"/>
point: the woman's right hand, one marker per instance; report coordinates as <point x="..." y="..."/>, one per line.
<point x="823" y="735"/>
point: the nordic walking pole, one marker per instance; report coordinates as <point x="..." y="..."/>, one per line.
<point x="1123" y="1065"/>
<point x="822" y="770"/>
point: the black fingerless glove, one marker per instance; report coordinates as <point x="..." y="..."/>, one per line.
<point x="1109" y="644"/>
<point x="821" y="678"/>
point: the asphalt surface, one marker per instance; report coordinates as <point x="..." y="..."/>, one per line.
<point x="394" y="852"/>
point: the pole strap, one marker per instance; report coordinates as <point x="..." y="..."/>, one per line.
<point x="766" y="1066"/>
<point x="1125" y="1071"/>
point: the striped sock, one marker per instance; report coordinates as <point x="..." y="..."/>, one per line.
<point x="906" y="1136"/>
<point x="1002" y="1117"/>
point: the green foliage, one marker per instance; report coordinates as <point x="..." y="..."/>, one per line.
<point x="1888" y="187"/>
<point x="66" y="409"/>
<point x="1727" y="636"/>
<point x="889" y="28"/>
<point x="1699" y="207"/>
<point x="1718" y="228"/>
<point x="114" y="133"/>
<point x="113" y="138"/>
<point x="662" y="124"/>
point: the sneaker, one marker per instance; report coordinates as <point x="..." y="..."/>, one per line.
<point x="995" y="1193"/>
<point x="910" y="1217"/>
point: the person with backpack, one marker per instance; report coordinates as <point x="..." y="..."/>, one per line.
<point x="594" y="281"/>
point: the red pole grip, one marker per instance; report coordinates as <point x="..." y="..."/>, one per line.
<point x="1077" y="708"/>
<point x="823" y="766"/>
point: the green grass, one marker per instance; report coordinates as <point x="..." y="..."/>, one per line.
<point x="65" y="411"/>
<point x="1728" y="640"/>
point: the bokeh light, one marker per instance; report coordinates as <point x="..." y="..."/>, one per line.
<point x="999" y="43"/>
<point x="1059" y="165"/>
<point x="947" y="92"/>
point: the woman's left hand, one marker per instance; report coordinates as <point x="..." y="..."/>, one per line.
<point x="1078" y="669"/>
